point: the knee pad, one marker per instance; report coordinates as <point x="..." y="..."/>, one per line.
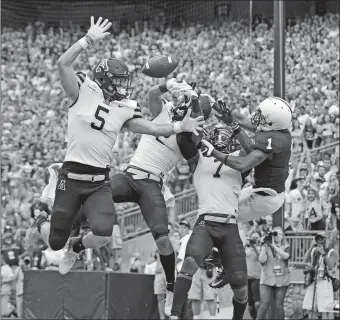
<point x="102" y="229"/>
<point x="190" y="266"/>
<point x="238" y="279"/>
<point x="159" y="230"/>
<point x="57" y="239"/>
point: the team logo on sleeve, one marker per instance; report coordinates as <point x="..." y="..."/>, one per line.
<point x="61" y="185"/>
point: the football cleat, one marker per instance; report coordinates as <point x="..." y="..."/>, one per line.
<point x="220" y="281"/>
<point x="69" y="259"/>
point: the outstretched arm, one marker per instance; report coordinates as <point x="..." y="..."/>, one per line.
<point x="238" y="163"/>
<point x="144" y="126"/>
<point x="68" y="78"/>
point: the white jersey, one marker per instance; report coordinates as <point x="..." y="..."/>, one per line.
<point x="217" y="195"/>
<point x="93" y="125"/>
<point x="158" y="155"/>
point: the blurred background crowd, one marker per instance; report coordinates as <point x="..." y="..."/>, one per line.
<point x="226" y="59"/>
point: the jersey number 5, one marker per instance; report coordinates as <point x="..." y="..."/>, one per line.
<point x="269" y="146"/>
<point x="99" y="118"/>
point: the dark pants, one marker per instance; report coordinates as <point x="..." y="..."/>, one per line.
<point x="98" y="206"/>
<point x="253" y="295"/>
<point x="148" y="194"/>
<point x="226" y="238"/>
<point x="266" y="293"/>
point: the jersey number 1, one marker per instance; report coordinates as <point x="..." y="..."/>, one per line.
<point x="99" y="118"/>
<point x="269" y="146"/>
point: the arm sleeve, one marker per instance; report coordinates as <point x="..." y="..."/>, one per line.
<point x="137" y="112"/>
<point x="188" y="149"/>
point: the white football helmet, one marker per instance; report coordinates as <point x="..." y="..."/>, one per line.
<point x="272" y="114"/>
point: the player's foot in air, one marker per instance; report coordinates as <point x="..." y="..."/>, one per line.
<point x="32" y="234"/>
<point x="169" y="297"/>
<point x="220" y="281"/>
<point x="69" y="259"/>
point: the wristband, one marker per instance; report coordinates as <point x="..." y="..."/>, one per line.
<point x="177" y="127"/>
<point x="85" y="42"/>
<point x="237" y="129"/>
<point x="162" y="88"/>
<point x="225" y="159"/>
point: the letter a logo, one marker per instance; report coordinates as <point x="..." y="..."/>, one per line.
<point x="61" y="185"/>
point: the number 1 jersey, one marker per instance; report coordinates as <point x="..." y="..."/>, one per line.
<point x="93" y="125"/>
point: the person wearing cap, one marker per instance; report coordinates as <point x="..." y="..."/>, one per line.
<point x="319" y="296"/>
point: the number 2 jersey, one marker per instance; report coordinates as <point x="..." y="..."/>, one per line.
<point x="158" y="155"/>
<point x="93" y="125"/>
<point x="273" y="172"/>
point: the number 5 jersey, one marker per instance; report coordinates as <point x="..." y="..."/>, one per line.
<point x="93" y="125"/>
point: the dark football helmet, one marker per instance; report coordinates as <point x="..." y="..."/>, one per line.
<point x="223" y="140"/>
<point x="114" y="78"/>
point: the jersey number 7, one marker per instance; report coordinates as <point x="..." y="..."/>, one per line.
<point x="99" y="118"/>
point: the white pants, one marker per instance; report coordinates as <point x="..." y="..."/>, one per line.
<point x="323" y="299"/>
<point x="252" y="205"/>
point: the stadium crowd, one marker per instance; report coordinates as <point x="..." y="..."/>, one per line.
<point x="224" y="59"/>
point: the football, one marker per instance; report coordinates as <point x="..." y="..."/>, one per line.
<point x="160" y="66"/>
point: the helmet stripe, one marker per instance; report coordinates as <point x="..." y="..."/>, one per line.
<point x="285" y="102"/>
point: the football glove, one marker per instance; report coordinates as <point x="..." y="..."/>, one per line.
<point x="224" y="114"/>
<point x="183" y="88"/>
<point x="99" y="30"/>
<point x="170" y="84"/>
<point x="207" y="148"/>
<point x="194" y="125"/>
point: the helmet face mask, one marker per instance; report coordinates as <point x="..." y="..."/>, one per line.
<point x="114" y="79"/>
<point x="223" y="140"/>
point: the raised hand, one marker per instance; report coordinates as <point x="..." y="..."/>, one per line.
<point x="99" y="29"/>
<point x="194" y="125"/>
<point x="224" y="114"/>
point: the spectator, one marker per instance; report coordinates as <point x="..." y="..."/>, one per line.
<point x="275" y="275"/>
<point x="312" y="211"/>
<point x="7" y="277"/>
<point x="294" y="201"/>
<point x="322" y="262"/>
<point x="136" y="263"/>
<point x="309" y="133"/>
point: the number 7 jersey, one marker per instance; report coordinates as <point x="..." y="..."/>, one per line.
<point x="93" y="125"/>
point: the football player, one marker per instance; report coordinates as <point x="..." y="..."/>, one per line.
<point x="269" y="157"/>
<point x="99" y="110"/>
<point x="218" y="188"/>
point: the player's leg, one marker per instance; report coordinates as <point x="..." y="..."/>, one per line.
<point x="198" y="248"/>
<point x="153" y="207"/>
<point x="253" y="205"/>
<point x="66" y="206"/>
<point x="233" y="259"/>
<point x="99" y="210"/>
